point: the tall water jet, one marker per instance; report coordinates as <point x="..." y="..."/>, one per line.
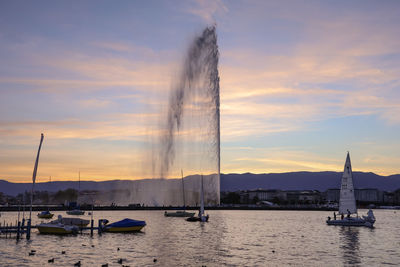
<point x="197" y="93"/>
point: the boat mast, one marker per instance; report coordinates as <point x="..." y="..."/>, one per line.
<point x="183" y="192"/>
<point x="79" y="186"/>
<point x="202" y="198"/>
<point x="34" y="174"/>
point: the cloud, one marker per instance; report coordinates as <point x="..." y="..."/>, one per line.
<point x="207" y="9"/>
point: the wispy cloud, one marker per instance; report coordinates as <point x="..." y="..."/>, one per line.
<point x="207" y="9"/>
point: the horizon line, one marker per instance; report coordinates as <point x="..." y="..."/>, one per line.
<point x="177" y="178"/>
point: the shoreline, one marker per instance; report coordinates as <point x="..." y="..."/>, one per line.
<point x="116" y="208"/>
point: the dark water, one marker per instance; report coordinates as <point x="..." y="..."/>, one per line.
<point x="231" y="238"/>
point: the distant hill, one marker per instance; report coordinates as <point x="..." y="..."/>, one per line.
<point x="306" y="181"/>
<point x="231" y="182"/>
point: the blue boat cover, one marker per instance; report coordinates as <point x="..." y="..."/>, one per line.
<point x="127" y="223"/>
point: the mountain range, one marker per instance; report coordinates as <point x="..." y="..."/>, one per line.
<point x="229" y="182"/>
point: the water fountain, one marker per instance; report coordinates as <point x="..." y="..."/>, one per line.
<point x="193" y="116"/>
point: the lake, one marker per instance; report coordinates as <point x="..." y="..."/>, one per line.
<point x="230" y="238"/>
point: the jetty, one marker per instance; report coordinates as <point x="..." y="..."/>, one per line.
<point x="24" y="227"/>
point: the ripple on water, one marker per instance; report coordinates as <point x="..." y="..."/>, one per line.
<point x="231" y="238"/>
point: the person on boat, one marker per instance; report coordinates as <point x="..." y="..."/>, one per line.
<point x="348" y="213"/>
<point x="329" y="218"/>
<point x="334" y="215"/>
<point x="342" y="217"/>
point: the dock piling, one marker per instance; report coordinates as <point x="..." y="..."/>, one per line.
<point x="28" y="230"/>
<point x="91" y="227"/>
<point x="99" y="229"/>
<point x="18" y="230"/>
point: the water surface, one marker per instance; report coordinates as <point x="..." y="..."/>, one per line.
<point x="230" y="238"/>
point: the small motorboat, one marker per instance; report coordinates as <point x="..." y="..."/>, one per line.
<point x="45" y="215"/>
<point x="179" y="213"/>
<point x="57" y="229"/>
<point x="198" y="218"/>
<point x="125" y="225"/>
<point x="75" y="212"/>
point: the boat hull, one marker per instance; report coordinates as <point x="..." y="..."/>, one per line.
<point x="75" y="212"/>
<point x="351" y="222"/>
<point x="198" y="219"/>
<point x="124" y="229"/>
<point x="179" y="214"/>
<point x="125" y="226"/>
<point x="45" y="216"/>
<point x="56" y="230"/>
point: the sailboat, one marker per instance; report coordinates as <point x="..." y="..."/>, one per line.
<point x="347" y="202"/>
<point x="201" y="216"/>
<point x="77" y="210"/>
<point x="180" y="213"/>
<point x="46" y="214"/>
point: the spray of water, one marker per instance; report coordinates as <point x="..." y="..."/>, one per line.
<point x="196" y="92"/>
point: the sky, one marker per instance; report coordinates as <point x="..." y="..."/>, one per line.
<point x="302" y="83"/>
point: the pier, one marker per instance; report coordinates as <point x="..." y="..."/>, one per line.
<point x="24" y="227"/>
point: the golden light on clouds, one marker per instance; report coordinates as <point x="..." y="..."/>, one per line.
<point x="300" y="85"/>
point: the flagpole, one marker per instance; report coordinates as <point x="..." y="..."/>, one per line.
<point x="34" y="175"/>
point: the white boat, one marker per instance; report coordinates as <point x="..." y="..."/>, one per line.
<point x="57" y="228"/>
<point x="201" y="216"/>
<point x="180" y="213"/>
<point x="347" y="203"/>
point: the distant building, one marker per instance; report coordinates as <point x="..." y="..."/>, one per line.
<point x="267" y="195"/>
<point x="310" y="196"/>
<point x="362" y="195"/>
<point x="332" y="195"/>
<point x="396" y="197"/>
<point x="369" y="195"/>
<point x="389" y="198"/>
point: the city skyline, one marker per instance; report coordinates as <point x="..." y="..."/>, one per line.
<point x="301" y="84"/>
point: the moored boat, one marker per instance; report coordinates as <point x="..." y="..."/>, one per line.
<point x="45" y="215"/>
<point x="347" y="203"/>
<point x="75" y="212"/>
<point x="125" y="225"/>
<point x="201" y="217"/>
<point x="57" y="228"/>
<point x="71" y="221"/>
<point x="179" y="213"/>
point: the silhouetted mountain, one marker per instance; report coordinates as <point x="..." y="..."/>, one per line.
<point x="231" y="182"/>
<point x="306" y="181"/>
<point x="16" y="188"/>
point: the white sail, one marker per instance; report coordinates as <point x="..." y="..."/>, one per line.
<point x="347" y="199"/>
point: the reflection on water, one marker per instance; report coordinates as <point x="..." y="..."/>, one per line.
<point x="350" y="245"/>
<point x="230" y="238"/>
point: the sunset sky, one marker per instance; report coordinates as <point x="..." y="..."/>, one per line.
<point x="302" y="83"/>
